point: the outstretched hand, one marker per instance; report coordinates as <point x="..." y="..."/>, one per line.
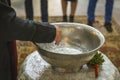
<point x="58" y="35"/>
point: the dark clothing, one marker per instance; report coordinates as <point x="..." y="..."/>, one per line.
<point x="108" y="10"/>
<point x="14" y="28"/>
<point x="9" y="2"/>
<point x="29" y="9"/>
<point x="11" y="46"/>
<point x="71" y="0"/>
<point x="44" y="10"/>
<point x="30" y="13"/>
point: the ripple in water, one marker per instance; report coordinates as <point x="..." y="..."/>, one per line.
<point x="63" y="48"/>
<point x="67" y="50"/>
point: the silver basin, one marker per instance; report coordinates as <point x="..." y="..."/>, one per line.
<point x="79" y="44"/>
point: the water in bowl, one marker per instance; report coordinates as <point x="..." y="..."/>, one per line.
<point x="63" y="48"/>
<point x="66" y="50"/>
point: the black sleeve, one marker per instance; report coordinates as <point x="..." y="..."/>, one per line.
<point x="14" y="28"/>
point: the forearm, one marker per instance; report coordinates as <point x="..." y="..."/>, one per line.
<point x="14" y="28"/>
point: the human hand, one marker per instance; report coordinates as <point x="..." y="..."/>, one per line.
<point x="58" y="35"/>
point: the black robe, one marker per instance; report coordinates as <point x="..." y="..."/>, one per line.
<point x="13" y="28"/>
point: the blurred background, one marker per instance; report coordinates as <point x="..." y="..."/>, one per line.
<point x="54" y="8"/>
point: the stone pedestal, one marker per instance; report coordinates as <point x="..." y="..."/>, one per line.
<point x="35" y="68"/>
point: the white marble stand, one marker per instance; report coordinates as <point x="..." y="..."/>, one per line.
<point x="35" y="68"/>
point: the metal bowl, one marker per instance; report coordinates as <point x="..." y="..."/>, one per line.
<point x="79" y="44"/>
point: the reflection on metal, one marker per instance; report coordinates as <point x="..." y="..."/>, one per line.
<point x="86" y="39"/>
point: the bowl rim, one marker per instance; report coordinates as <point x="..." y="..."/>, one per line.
<point x="99" y="34"/>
